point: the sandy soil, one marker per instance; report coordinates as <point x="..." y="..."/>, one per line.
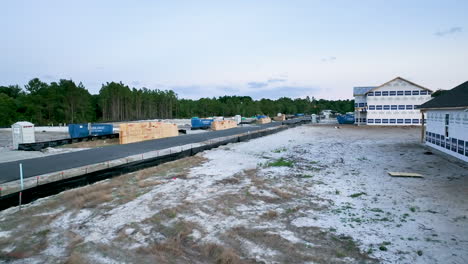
<point x="312" y="194"/>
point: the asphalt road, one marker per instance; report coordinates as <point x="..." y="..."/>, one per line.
<point x="9" y="171"/>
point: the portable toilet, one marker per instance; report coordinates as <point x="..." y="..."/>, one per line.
<point x="238" y="119"/>
<point x="22" y="132"/>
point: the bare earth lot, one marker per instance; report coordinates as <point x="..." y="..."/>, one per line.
<point x="312" y="194"/>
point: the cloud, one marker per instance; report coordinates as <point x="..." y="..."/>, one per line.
<point x="135" y="83"/>
<point x="449" y="31"/>
<point x="257" y="84"/>
<point x="48" y="77"/>
<point x="329" y="59"/>
<point x="276" y="80"/>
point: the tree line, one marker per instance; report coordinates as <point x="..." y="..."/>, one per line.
<point x="67" y="102"/>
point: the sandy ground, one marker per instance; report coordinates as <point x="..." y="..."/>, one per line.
<point x="312" y="194"/>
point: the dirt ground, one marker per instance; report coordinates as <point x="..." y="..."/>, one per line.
<point x="312" y="194"/>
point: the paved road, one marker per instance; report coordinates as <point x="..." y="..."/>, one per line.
<point x="31" y="167"/>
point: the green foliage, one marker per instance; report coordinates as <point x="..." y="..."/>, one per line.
<point x="355" y="195"/>
<point x="280" y="163"/>
<point x="66" y="102"/>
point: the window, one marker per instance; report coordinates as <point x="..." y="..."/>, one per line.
<point x="447" y="143"/>
<point x="461" y="147"/>
<point x="392" y="93"/>
<point x="361" y="104"/>
<point x="370" y="121"/>
<point x="437" y="140"/>
<point x="378" y="107"/>
<point x="466" y="148"/>
<point x="364" y="120"/>
<point x="371" y="107"/>
<point x="394" y="107"/>
<point x="415" y="106"/>
<point x="407" y="92"/>
<point x="386" y="107"/>
<point x="370" y="94"/>
<point x="400" y="121"/>
<point x="409" y="107"/>
<point x="385" y="121"/>
<point x="401" y="107"/>
<point x="454" y="144"/>
<point x="415" y="92"/>
<point x="415" y="121"/>
<point x="407" y="121"/>
<point x="399" y="92"/>
<point x="356" y="105"/>
<point x="385" y="93"/>
<point x="423" y="92"/>
<point x="378" y="121"/>
<point x="442" y="141"/>
<point x="378" y="93"/>
<point x="392" y="121"/>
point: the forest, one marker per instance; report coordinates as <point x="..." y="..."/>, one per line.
<point x="67" y="102"/>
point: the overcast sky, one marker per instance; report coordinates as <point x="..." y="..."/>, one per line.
<point x="257" y="48"/>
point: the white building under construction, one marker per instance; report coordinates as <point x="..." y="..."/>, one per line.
<point x="392" y="103"/>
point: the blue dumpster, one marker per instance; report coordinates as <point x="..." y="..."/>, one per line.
<point x="81" y="130"/>
<point x="198" y="123"/>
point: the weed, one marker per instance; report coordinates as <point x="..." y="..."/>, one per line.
<point x="337" y="192"/>
<point x="279" y="150"/>
<point x="419" y="252"/>
<point x="383" y="248"/>
<point x="355" y="195"/>
<point x="376" y="210"/>
<point x="413" y="209"/>
<point x="280" y="163"/>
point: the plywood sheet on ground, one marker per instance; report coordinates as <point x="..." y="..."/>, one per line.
<point x="405" y="174"/>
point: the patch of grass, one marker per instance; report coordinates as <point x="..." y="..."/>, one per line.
<point x="376" y="210"/>
<point x="306" y="176"/>
<point x="337" y="192"/>
<point x="279" y="150"/>
<point x="412" y="209"/>
<point x="383" y="248"/>
<point x="280" y="163"/>
<point x="355" y="195"/>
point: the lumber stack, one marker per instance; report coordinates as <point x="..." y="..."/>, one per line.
<point x="279" y="118"/>
<point x="264" y="120"/>
<point x="136" y="132"/>
<point x="224" y="124"/>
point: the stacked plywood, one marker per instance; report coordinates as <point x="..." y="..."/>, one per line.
<point x="279" y="118"/>
<point x="135" y="132"/>
<point x="264" y="120"/>
<point x="224" y="124"/>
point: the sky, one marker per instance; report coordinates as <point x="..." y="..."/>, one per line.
<point x="263" y="49"/>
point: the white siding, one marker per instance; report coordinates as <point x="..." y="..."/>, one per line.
<point x="457" y="129"/>
<point x="391" y="114"/>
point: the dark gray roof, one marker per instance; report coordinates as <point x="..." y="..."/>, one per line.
<point x="457" y="97"/>
<point x="361" y="90"/>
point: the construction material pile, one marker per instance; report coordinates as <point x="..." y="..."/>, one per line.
<point x="224" y="124"/>
<point x="264" y="120"/>
<point x="279" y="118"/>
<point x="136" y="132"/>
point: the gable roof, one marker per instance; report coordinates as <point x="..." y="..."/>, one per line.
<point x="402" y="79"/>
<point x="362" y="90"/>
<point x="457" y="97"/>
